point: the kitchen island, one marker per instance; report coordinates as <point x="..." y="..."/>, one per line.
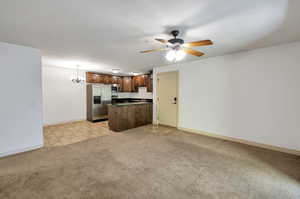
<point x="123" y="116"/>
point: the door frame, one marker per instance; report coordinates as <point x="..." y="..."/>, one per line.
<point x="178" y="96"/>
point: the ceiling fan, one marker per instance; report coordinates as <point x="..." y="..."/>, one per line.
<point x="178" y="48"/>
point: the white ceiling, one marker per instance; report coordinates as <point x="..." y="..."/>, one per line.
<point x="101" y="35"/>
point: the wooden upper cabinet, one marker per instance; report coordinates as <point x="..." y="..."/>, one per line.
<point x="142" y="81"/>
<point x="93" y="77"/>
<point x="90" y="78"/>
<point x="127" y="84"/>
<point x="149" y="83"/>
<point x="98" y="78"/>
<point x="115" y="80"/>
<point x="120" y="82"/>
<point x="107" y="79"/>
<point x="135" y="84"/>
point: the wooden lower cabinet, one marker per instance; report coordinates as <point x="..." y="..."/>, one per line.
<point x="123" y="117"/>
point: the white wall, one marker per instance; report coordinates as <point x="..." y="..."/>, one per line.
<point x="63" y="101"/>
<point x="252" y="95"/>
<point x="20" y="100"/>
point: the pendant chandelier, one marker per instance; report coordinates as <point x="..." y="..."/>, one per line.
<point x="78" y="79"/>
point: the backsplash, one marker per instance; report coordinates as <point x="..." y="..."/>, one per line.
<point x="142" y="94"/>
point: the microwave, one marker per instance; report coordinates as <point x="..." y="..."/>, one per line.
<point x="115" y="88"/>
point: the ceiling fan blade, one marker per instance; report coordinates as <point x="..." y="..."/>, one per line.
<point x="193" y="52"/>
<point x="198" y="43"/>
<point x="162" y="41"/>
<point x="154" y="50"/>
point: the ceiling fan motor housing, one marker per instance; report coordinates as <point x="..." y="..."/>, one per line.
<point x="176" y="41"/>
<point x="175" y="33"/>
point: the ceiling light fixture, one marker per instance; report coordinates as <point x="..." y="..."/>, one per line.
<point x="134" y="73"/>
<point x="115" y="70"/>
<point x="78" y="79"/>
<point x="175" y="55"/>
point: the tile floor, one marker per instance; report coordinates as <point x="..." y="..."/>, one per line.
<point x="70" y="133"/>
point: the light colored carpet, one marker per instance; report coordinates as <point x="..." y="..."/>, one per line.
<point x="151" y="163"/>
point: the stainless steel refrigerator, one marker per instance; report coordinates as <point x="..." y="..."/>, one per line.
<point x="98" y="96"/>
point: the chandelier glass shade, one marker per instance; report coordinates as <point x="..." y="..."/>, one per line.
<point x="175" y="55"/>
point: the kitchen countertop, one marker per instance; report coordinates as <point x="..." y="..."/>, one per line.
<point x="132" y="99"/>
<point x="129" y="103"/>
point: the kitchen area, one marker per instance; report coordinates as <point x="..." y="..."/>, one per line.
<point x="99" y="105"/>
<point x="125" y="101"/>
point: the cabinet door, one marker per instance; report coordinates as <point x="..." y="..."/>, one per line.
<point x="107" y="79"/>
<point x="135" y="84"/>
<point x="140" y="115"/>
<point x="99" y="78"/>
<point x="149" y="84"/>
<point x="127" y="87"/>
<point x="142" y="80"/>
<point x="114" y="80"/>
<point x="120" y="82"/>
<point x="103" y="79"/>
<point x="129" y="84"/>
<point x="90" y="78"/>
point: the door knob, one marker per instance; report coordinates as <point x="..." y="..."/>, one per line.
<point x="175" y="100"/>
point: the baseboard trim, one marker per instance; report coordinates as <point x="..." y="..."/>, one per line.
<point x="60" y="123"/>
<point x="14" y="152"/>
<point x="242" y="141"/>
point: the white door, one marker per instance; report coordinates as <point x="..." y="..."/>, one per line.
<point x="167" y="98"/>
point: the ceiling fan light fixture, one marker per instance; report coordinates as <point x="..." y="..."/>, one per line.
<point x="115" y="70"/>
<point x="178" y="48"/>
<point x="180" y="55"/>
<point x="175" y="55"/>
<point x="170" y="56"/>
<point x="134" y="73"/>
